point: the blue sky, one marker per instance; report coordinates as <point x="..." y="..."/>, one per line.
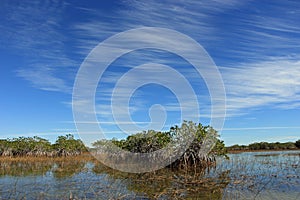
<point x="254" y="44"/>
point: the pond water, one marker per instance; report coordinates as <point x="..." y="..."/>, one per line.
<point x="256" y="175"/>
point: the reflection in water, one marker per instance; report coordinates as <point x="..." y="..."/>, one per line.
<point x="170" y="184"/>
<point x="271" y="175"/>
<point x="16" y="168"/>
<point x="64" y="169"/>
<point x="263" y="175"/>
<point x="60" y="169"/>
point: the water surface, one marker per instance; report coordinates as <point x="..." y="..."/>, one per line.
<point x="251" y="175"/>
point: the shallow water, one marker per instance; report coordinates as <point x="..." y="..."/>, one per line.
<point x="257" y="175"/>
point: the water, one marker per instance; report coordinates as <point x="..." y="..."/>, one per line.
<point x="258" y="175"/>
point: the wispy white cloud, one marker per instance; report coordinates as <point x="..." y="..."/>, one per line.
<point x="105" y="122"/>
<point x="64" y="130"/>
<point x="249" y="45"/>
<point x="193" y="18"/>
<point x="261" y="128"/>
<point x="259" y="49"/>
<point x="44" y="79"/>
<point x="33" y="29"/>
<point x="286" y="138"/>
<point x="273" y="83"/>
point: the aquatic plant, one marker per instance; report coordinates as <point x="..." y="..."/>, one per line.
<point x="200" y="145"/>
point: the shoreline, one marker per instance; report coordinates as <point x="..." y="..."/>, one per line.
<point x="84" y="156"/>
<point x="259" y="150"/>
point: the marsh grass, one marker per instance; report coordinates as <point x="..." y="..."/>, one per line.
<point x="244" y="176"/>
<point x="83" y="157"/>
<point x="263" y="176"/>
<point x="170" y="184"/>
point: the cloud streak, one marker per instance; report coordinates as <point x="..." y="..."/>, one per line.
<point x="274" y="83"/>
<point x="258" y="51"/>
<point x="33" y="30"/>
<point x="261" y="128"/>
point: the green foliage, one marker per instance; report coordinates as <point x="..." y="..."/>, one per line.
<point x="40" y="144"/>
<point x="69" y="144"/>
<point x="146" y="141"/>
<point x="297" y="144"/>
<point x="265" y="146"/>
<point x="220" y="149"/>
<point x="202" y="140"/>
<point x="204" y="145"/>
<point x="37" y="146"/>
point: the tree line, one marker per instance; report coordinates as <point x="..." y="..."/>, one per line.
<point x="36" y="146"/>
<point x="144" y="142"/>
<point x="266" y="146"/>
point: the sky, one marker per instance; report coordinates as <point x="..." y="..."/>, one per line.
<point x="255" y="46"/>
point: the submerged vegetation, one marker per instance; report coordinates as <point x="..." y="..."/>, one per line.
<point x="36" y="146"/>
<point x="170" y="184"/>
<point x="255" y="175"/>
